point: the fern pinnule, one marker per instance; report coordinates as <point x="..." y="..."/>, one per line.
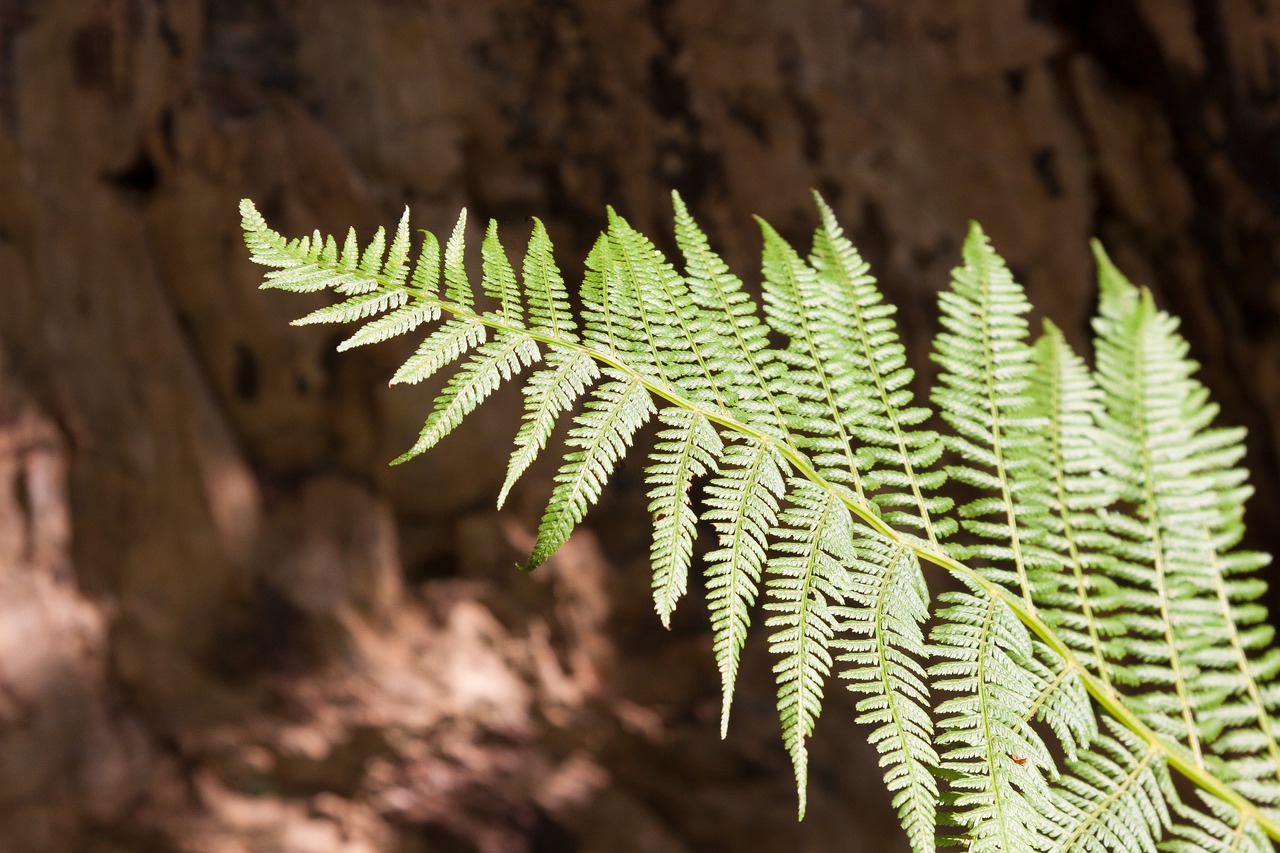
<point x="881" y="644"/>
<point x="812" y="544"/>
<point x="895" y="452"/>
<point x="983" y="392"/>
<point x="993" y="758"/>
<point x="601" y="435"/>
<point x="742" y="508"/>
<point x="828" y="398"/>
<point x="684" y="452"/>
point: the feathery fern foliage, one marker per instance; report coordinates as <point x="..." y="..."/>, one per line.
<point x="1107" y="633"/>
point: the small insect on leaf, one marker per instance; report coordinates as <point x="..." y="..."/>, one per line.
<point x="1018" y="759"/>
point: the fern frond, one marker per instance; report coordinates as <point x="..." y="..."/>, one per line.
<point x="742" y="507"/>
<point x="1108" y="528"/>
<point x="882" y="644"/>
<point x="807" y="578"/>
<point x="829" y="400"/>
<point x="685" y="451"/>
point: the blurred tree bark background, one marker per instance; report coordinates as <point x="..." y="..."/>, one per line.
<point x="226" y="626"/>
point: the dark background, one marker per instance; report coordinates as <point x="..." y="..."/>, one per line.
<point x="226" y="625"/>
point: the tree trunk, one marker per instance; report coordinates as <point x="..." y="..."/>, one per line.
<point x="227" y="625"/>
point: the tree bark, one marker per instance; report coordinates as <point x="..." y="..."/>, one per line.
<point x="227" y="625"/>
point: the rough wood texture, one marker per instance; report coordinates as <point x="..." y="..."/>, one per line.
<point x="226" y="625"/>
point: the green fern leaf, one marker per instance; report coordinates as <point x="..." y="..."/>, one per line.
<point x="1179" y="569"/>
<point x="499" y="281"/>
<point x="1070" y="402"/>
<point x="398" y="322"/>
<point x="457" y="288"/>
<point x="741" y="355"/>
<point x="1113" y="797"/>
<point x="993" y="757"/>
<point x="600" y="439"/>
<point x="982" y="391"/>
<point x="358" y="307"/>
<point x="679" y="336"/>
<point x="547" y="394"/>
<point x="829" y="397"/>
<point x="491" y="365"/>
<point x="425" y="282"/>
<point x="891" y="602"/>
<point x="807" y="579"/>
<point x="370" y="262"/>
<point x="396" y="269"/>
<point x="742" y="507"/>
<point x="1108" y="521"/>
<point x="895" y="454"/>
<point x="544" y="292"/>
<point x="1219" y="831"/>
<point x="441" y="348"/>
<point x="684" y="452"/>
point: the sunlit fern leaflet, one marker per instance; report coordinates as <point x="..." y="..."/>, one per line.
<point x="1106" y="613"/>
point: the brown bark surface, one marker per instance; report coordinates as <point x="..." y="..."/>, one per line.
<point x="226" y="626"/>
